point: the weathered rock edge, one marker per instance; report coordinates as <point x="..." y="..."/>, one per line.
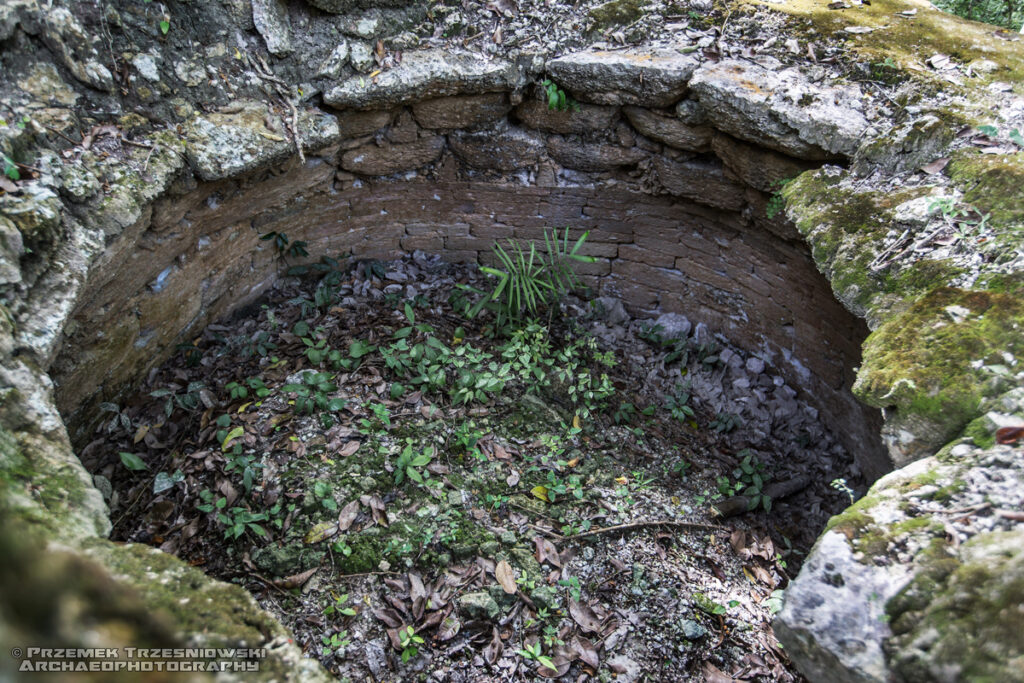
<point x="67" y="508"/>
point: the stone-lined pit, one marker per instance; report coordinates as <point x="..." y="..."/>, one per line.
<point x="672" y="231"/>
<point x="119" y="249"/>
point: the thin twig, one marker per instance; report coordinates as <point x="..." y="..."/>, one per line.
<point x="144" y="145"/>
<point x="641" y="525"/>
<point x="51" y="128"/>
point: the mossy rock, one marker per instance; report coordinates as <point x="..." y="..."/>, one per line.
<point x="992" y="183"/>
<point x="962" y="620"/>
<point x="927" y="366"/>
<point x="617" y="13"/>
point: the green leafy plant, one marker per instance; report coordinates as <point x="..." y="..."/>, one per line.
<point x="530" y="278"/>
<point x="964" y="219"/>
<point x="322" y="492"/>
<point x="841" y="485"/>
<point x="9" y="167"/>
<point x="188" y="400"/>
<point x="165" y="481"/>
<point x="338" y="606"/>
<point x="236" y="521"/>
<point x="535" y="653"/>
<point x="573" y="584"/>
<point x="410" y="643"/>
<point x="165" y="26"/>
<point x="558" y="100"/>
<point x="312" y="395"/>
<point x="334" y="642"/>
<point x="132" y="461"/>
<point x="777" y="202"/>
<point x="284" y="246"/>
<point x="677" y="403"/>
<point x="410" y="463"/>
<point x="725" y="422"/>
<point x="748" y="480"/>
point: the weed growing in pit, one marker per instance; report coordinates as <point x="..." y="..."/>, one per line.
<point x="284" y="246"/>
<point x="323" y="494"/>
<point x="677" y="403"/>
<point x="841" y="485"/>
<point x="311" y="396"/>
<point x="726" y="422"/>
<point x="188" y="400"/>
<point x="337" y="606"/>
<point x="530" y="278"/>
<point x="410" y="463"/>
<point x="334" y="643"/>
<point x="557" y="98"/>
<point x="410" y="643"/>
<point x="748" y="480"/>
<point x="777" y="203"/>
<point x="236" y="521"/>
<point x="535" y="653"/>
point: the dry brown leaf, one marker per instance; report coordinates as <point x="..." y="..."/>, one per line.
<point x="295" y="580"/>
<point x="506" y="577"/>
<point x="349" y="449"/>
<point x="587" y="651"/>
<point x="494" y="649"/>
<point x="450" y="628"/>
<point x="389" y="616"/>
<point x="348" y="515"/>
<point x="712" y="674"/>
<point x="583" y="615"/>
<point x="935" y="166"/>
<point x="546" y="551"/>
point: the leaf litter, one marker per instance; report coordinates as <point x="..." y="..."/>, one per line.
<point x="475" y="548"/>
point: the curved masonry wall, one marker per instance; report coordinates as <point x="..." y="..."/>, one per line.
<point x="195" y="255"/>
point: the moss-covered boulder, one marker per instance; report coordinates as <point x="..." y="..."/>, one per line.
<point x="931" y="367"/>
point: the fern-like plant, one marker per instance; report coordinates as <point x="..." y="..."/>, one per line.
<point x="530" y="278"/>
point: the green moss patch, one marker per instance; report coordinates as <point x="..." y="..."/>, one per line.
<point x="992" y="183"/>
<point x="923" y="362"/>
<point x="908" y="41"/>
<point x="846" y="229"/>
<point x="963" y="617"/>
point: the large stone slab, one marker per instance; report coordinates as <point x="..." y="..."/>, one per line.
<point x="756" y="166"/>
<point x="670" y="130"/>
<point x="702" y="181"/>
<point x="377" y="160"/>
<point x="506" y="150"/>
<point x="782" y="110"/>
<point x="461" y="111"/>
<point x="237" y="140"/>
<point x="426" y="74"/>
<point x="584" y="156"/>
<point x="650" y="78"/>
<point x="588" y="118"/>
<point x="904" y="586"/>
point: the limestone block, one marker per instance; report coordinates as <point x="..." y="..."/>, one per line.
<point x="756" y="166"/>
<point x="271" y="20"/>
<point x="465" y="111"/>
<point x="583" y="156"/>
<point x="701" y="181"/>
<point x="670" y="130"/>
<point x="237" y="140"/>
<point x="506" y="150"/>
<point x="589" y="117"/>
<point x="426" y="74"/>
<point x="388" y="158"/>
<point x="783" y="110"/>
<point x="645" y="77"/>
